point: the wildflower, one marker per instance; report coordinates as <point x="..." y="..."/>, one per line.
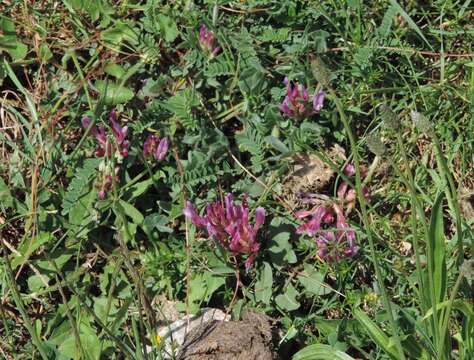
<point x="229" y="225"/>
<point x="105" y="180"/>
<point x="155" y="148"/>
<point x="119" y="134"/>
<point x="161" y="149"/>
<point x="99" y="133"/>
<point x="104" y="147"/>
<point x="333" y="245"/>
<point x="296" y="103"/>
<point x="347" y="195"/>
<point x="206" y="40"/>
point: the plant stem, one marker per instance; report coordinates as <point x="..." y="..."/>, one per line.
<point x="365" y="219"/>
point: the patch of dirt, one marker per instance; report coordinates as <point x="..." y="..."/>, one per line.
<point x="466" y="203"/>
<point x="310" y="174"/>
<point x="249" y="339"/>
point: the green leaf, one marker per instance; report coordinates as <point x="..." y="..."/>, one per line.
<point x="288" y="301"/>
<point x="120" y="32"/>
<point x="277" y="144"/>
<point x="320" y="352"/>
<point x="281" y="251"/>
<point x="438" y="249"/>
<point x="6" y="199"/>
<point x="114" y="70"/>
<point x="132" y="212"/>
<point x="263" y="285"/>
<point x="313" y="281"/>
<point x="203" y="285"/>
<point x="44" y="53"/>
<point x="28" y="247"/>
<point x="167" y="27"/>
<point x="79" y="185"/>
<point x="113" y="92"/>
<point x="409" y="21"/>
<point x="376" y="334"/>
<point x="89" y="340"/>
<point x="8" y="40"/>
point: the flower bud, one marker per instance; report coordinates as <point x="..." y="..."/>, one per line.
<point x="320" y="71"/>
<point x="375" y="145"/>
<point x="421" y="122"/>
<point x="389" y="118"/>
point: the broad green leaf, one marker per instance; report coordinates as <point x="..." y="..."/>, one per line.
<point x="281" y="251"/>
<point x="287" y="301"/>
<point x="132" y="212"/>
<point x="8" y="40"/>
<point x="113" y="92"/>
<point x="320" y="352"/>
<point x="114" y="70"/>
<point x="376" y="334"/>
<point x="264" y="283"/>
<point x="277" y="144"/>
<point x="120" y="32"/>
<point x="313" y="281"/>
<point x="168" y="27"/>
<point x="90" y="342"/>
<point x="44" y="52"/>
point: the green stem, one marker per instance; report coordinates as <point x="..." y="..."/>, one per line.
<point x="410" y="184"/>
<point x="365" y="219"/>
<point x="445" y="319"/>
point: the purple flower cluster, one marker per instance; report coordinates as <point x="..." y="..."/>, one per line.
<point x="155" y="147"/>
<point x="332" y="245"/>
<point x="105" y="146"/>
<point x="334" y="237"/>
<point x="229" y="224"/>
<point x="207" y="40"/>
<point x="297" y="104"/>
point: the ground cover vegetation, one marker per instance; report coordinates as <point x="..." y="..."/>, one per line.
<point x="309" y="160"/>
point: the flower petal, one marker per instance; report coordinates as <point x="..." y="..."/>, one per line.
<point x="318" y="100"/>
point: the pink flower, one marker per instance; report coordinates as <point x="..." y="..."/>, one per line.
<point x="158" y="149"/>
<point x="333" y="245"/>
<point x="105" y="182"/>
<point x="104" y="147"/>
<point x="206" y="40"/>
<point x="349" y="196"/>
<point x="229" y="225"/>
<point x="119" y="134"/>
<point x="296" y="103"/>
<point x="161" y="149"/>
<point x="100" y="135"/>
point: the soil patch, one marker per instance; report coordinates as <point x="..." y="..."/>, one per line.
<point x="251" y="338"/>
